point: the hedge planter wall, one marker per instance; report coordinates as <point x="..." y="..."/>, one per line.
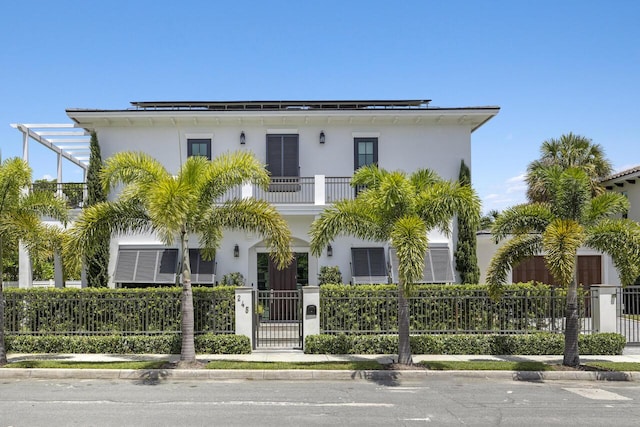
<point x="542" y="343"/>
<point x="99" y="311"/>
<point x="441" y="309"/>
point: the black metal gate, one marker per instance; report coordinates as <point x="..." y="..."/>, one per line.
<point x="278" y="319"/>
<point x="628" y="313"/>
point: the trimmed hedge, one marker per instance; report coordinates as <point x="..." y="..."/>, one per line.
<point x="116" y="311"/>
<point x="442" y="308"/>
<point x="542" y="343"/>
<point x="132" y="344"/>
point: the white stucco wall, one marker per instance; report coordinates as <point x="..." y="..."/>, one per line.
<point x="407" y="148"/>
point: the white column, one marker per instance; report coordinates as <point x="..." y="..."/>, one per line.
<point x="310" y="311"/>
<point x="244" y="312"/>
<point x="59" y="192"/>
<point x="25" y="279"/>
<point x="57" y="270"/>
<point x="319" y="190"/>
<point x="25" y="147"/>
<point x="603" y="306"/>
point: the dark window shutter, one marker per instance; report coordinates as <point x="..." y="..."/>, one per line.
<point x="146" y="266"/>
<point x="274" y="155"/>
<point x="126" y="265"/>
<point x="201" y="271"/>
<point x="377" y="262"/>
<point x="283" y="155"/>
<point x="368" y="262"/>
<point x="360" y="260"/>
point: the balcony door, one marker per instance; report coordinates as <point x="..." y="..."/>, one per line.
<point x="283" y="155"/>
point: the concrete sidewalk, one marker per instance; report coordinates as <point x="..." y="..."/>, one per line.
<point x="157" y="375"/>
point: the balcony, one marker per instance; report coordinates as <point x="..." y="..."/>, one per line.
<point x="310" y="191"/>
<point x="74" y="193"/>
<point x="316" y="190"/>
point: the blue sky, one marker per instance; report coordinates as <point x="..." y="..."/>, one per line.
<point x="552" y="66"/>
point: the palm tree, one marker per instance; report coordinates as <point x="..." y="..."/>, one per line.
<point x="571" y="218"/>
<point x="397" y="208"/>
<point x="20" y="218"/>
<point x="154" y="200"/>
<point x="556" y="155"/>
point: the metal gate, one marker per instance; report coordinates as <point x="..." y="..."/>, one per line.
<point x="628" y="313"/>
<point x="277" y="319"/>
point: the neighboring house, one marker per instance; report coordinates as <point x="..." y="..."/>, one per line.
<point x="593" y="267"/>
<point x="626" y="182"/>
<point x="311" y="149"/>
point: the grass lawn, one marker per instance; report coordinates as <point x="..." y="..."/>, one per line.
<point x="86" y="365"/>
<point x="615" y="366"/>
<point x="341" y="366"/>
<point x="346" y="366"/>
<point x="487" y="365"/>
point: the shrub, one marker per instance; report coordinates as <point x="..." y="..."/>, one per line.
<point x="119" y="344"/>
<point x="233" y="279"/>
<point x="542" y="343"/>
<point x="329" y="275"/>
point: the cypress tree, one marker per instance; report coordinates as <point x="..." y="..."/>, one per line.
<point x="466" y="258"/>
<point x="97" y="258"/>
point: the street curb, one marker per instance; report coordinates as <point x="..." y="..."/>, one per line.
<point x="157" y="375"/>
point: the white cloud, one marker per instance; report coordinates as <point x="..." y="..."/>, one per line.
<point x="511" y="192"/>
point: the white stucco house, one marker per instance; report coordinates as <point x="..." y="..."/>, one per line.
<point x="311" y="149"/>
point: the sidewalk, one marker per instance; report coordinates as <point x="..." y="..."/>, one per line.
<point x="633" y="355"/>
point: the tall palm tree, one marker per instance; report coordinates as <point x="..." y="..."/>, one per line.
<point x="397" y="208"/>
<point x="556" y="155"/>
<point x="571" y="218"/>
<point x="20" y="218"/>
<point x="173" y="207"/>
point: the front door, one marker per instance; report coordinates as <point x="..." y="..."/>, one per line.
<point x="283" y="280"/>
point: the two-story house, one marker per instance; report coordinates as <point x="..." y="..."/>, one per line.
<point x="311" y="149"/>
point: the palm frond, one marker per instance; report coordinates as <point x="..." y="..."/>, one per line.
<point x="255" y="216"/>
<point x="521" y="219"/>
<point x="423" y="179"/>
<point x="129" y="167"/>
<point x="45" y="204"/>
<point x="514" y="251"/>
<point x="106" y="218"/>
<point x="620" y="238"/>
<point x="572" y="194"/>
<point x="347" y="217"/>
<point x="606" y="205"/>
<point x="561" y="241"/>
<point x="369" y="176"/>
<point x="409" y="238"/>
<point x="233" y="169"/>
<point x="438" y="203"/>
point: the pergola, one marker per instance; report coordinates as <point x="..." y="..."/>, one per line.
<point x="69" y="143"/>
<point x="66" y="140"/>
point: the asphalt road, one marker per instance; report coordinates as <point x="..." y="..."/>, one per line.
<point x="434" y="401"/>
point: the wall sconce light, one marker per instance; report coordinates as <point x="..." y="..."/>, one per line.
<point x="321" y="137"/>
<point x="329" y="250"/>
<point x="243" y="139"/>
<point x="236" y="251"/>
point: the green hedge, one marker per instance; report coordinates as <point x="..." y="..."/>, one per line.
<point x="116" y="311"/>
<point x="441" y="308"/>
<point x="132" y="344"/>
<point x="542" y="343"/>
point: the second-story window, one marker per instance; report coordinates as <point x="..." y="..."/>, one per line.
<point x="283" y="155"/>
<point x="365" y="152"/>
<point x="199" y="147"/>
